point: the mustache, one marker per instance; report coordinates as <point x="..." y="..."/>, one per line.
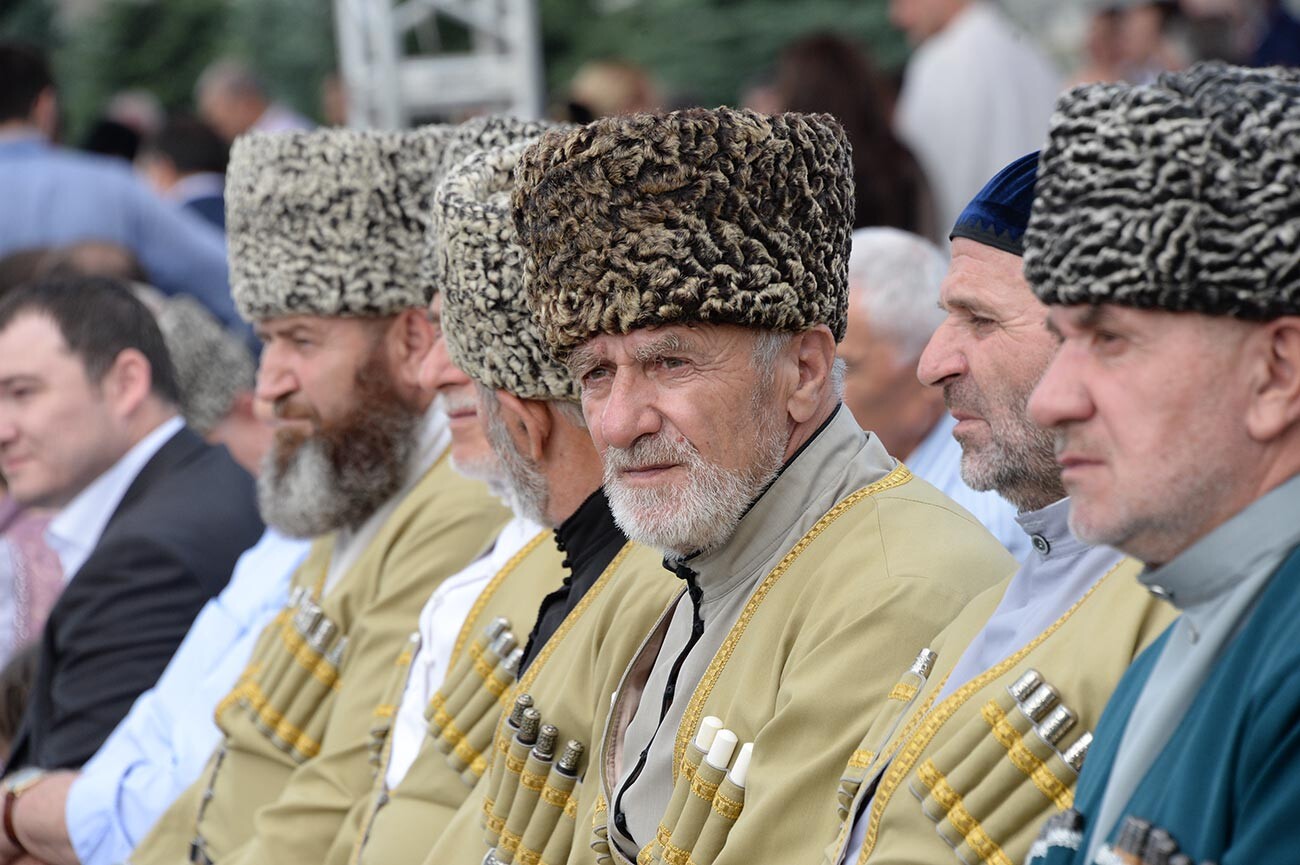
<point x="284" y="408"/>
<point x="457" y="402"/>
<point x="652" y="450"/>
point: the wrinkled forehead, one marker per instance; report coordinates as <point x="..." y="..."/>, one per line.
<point x="646" y="343"/>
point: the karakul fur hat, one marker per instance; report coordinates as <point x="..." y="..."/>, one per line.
<point x="720" y="216"/>
<point x="1183" y="195"/>
<point x="480" y="270"/>
<point x="462" y="140"/>
<point x="330" y="222"/>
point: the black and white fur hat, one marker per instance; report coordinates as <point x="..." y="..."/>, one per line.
<point x="1183" y="195"/>
<point x="479" y="267"/>
<point x="330" y="222"/>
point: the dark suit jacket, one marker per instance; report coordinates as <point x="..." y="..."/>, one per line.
<point x="170" y="546"/>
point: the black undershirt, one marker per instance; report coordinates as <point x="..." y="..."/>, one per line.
<point x="590" y="539"/>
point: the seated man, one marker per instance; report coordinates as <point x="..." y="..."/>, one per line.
<point x="536" y="429"/>
<point x="1164" y="241"/>
<point x="690" y="270"/>
<point x="949" y="784"/>
<point x="95" y="816"/>
<point x="89" y="424"/>
<point x="894" y="282"/>
<point x="361" y="462"/>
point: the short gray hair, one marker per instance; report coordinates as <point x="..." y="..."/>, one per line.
<point x="771" y="343"/>
<point x="231" y="77"/>
<point x="895" y="276"/>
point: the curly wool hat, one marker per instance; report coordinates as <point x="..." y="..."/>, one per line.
<point x="329" y="222"/>
<point x="719" y="216"/>
<point x="1183" y="195"/>
<point x="479" y="267"/>
<point x="488" y="132"/>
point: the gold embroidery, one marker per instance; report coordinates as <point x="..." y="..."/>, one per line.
<point x="989" y="851"/>
<point x="1025" y="760"/>
<point x="702" y="788"/>
<point x="472" y="620"/>
<point x="924" y="725"/>
<point x="554" y="797"/>
<point x="903" y="692"/>
<point x="861" y="759"/>
<point x="675" y="855"/>
<point x="571" y="808"/>
<point x="695" y="708"/>
<point x="532" y="780"/>
<point x="727" y="808"/>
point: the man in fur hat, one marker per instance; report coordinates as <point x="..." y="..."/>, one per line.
<point x="691" y="271"/>
<point x="1164" y="240"/>
<point x="994" y="739"/>
<point x="325" y="229"/>
<point x="553" y="475"/>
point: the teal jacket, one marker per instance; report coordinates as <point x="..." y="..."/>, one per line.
<point x="1226" y="787"/>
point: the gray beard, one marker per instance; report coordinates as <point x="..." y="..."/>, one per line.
<point x="338" y="481"/>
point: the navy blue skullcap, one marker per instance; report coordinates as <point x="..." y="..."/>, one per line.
<point x="998" y="215"/>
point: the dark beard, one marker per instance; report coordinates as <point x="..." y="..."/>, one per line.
<point x="338" y="477"/>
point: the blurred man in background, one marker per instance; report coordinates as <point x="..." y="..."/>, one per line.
<point x="894" y="282"/>
<point x="976" y="94"/>
<point x="232" y="100"/>
<point x="186" y="162"/>
<point x="53" y="197"/>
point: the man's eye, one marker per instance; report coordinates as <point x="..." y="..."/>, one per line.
<point x="592" y="375"/>
<point x="672" y="362"/>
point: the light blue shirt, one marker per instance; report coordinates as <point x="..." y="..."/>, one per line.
<point x="937" y="459"/>
<point x="162" y="745"/>
<point x="55" y="197"/>
<point x="75" y="531"/>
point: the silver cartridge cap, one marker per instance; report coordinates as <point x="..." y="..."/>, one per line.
<point x="924" y="663"/>
<point x="1022" y="687"/>
<point x="523" y="701"/>
<point x="529" y="726"/>
<point x="545" y="747"/>
<point x="571" y="757"/>
<point x="502" y="645"/>
<point x="1042" y="701"/>
<point x="323" y="634"/>
<point x="335" y="657"/>
<point x="511" y="664"/>
<point x="1075" y="754"/>
<point x="496" y="628"/>
<point x="1057" y="723"/>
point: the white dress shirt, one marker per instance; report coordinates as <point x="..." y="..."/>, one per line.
<point x="440" y="623"/>
<point x="75" y="532"/>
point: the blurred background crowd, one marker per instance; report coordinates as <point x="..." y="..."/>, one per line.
<point x="935" y="95"/>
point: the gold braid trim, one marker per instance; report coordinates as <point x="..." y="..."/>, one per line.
<point x="989" y="851"/>
<point x="695" y="708"/>
<point x="923" y="726"/>
<point x="703" y="788"/>
<point x="534" y="781"/>
<point x="675" y="855"/>
<point x="472" y="623"/>
<point x="1057" y="791"/>
<point x="539" y="663"/>
<point x="554" y="797"/>
<point x="902" y="692"/>
<point x="727" y="808"/>
<point x="571" y="808"/>
<point x="861" y="759"/>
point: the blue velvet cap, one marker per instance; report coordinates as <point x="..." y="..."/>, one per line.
<point x="998" y="215"/>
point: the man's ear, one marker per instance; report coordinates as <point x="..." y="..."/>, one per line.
<point x="1275" y="380"/>
<point x="529" y="422"/>
<point x="45" y="113"/>
<point x="127" y="383"/>
<point x="814" y="355"/>
<point x="411" y="338"/>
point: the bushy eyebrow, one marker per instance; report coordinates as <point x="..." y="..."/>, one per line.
<point x="580" y="360"/>
<point x="668" y="343"/>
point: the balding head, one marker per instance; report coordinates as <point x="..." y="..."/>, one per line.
<point x="230" y="98"/>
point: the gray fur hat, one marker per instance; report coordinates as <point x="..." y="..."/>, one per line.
<point x="720" y="216"/>
<point x="479" y="267"/>
<point x="213" y="366"/>
<point x="330" y="222"/>
<point x="1183" y="195"/>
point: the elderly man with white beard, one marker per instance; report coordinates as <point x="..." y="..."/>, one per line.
<point x="325" y="230"/>
<point x="491" y="349"/>
<point x="691" y="271"/>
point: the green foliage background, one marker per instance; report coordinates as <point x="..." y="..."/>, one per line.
<point x="702" y="50"/>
